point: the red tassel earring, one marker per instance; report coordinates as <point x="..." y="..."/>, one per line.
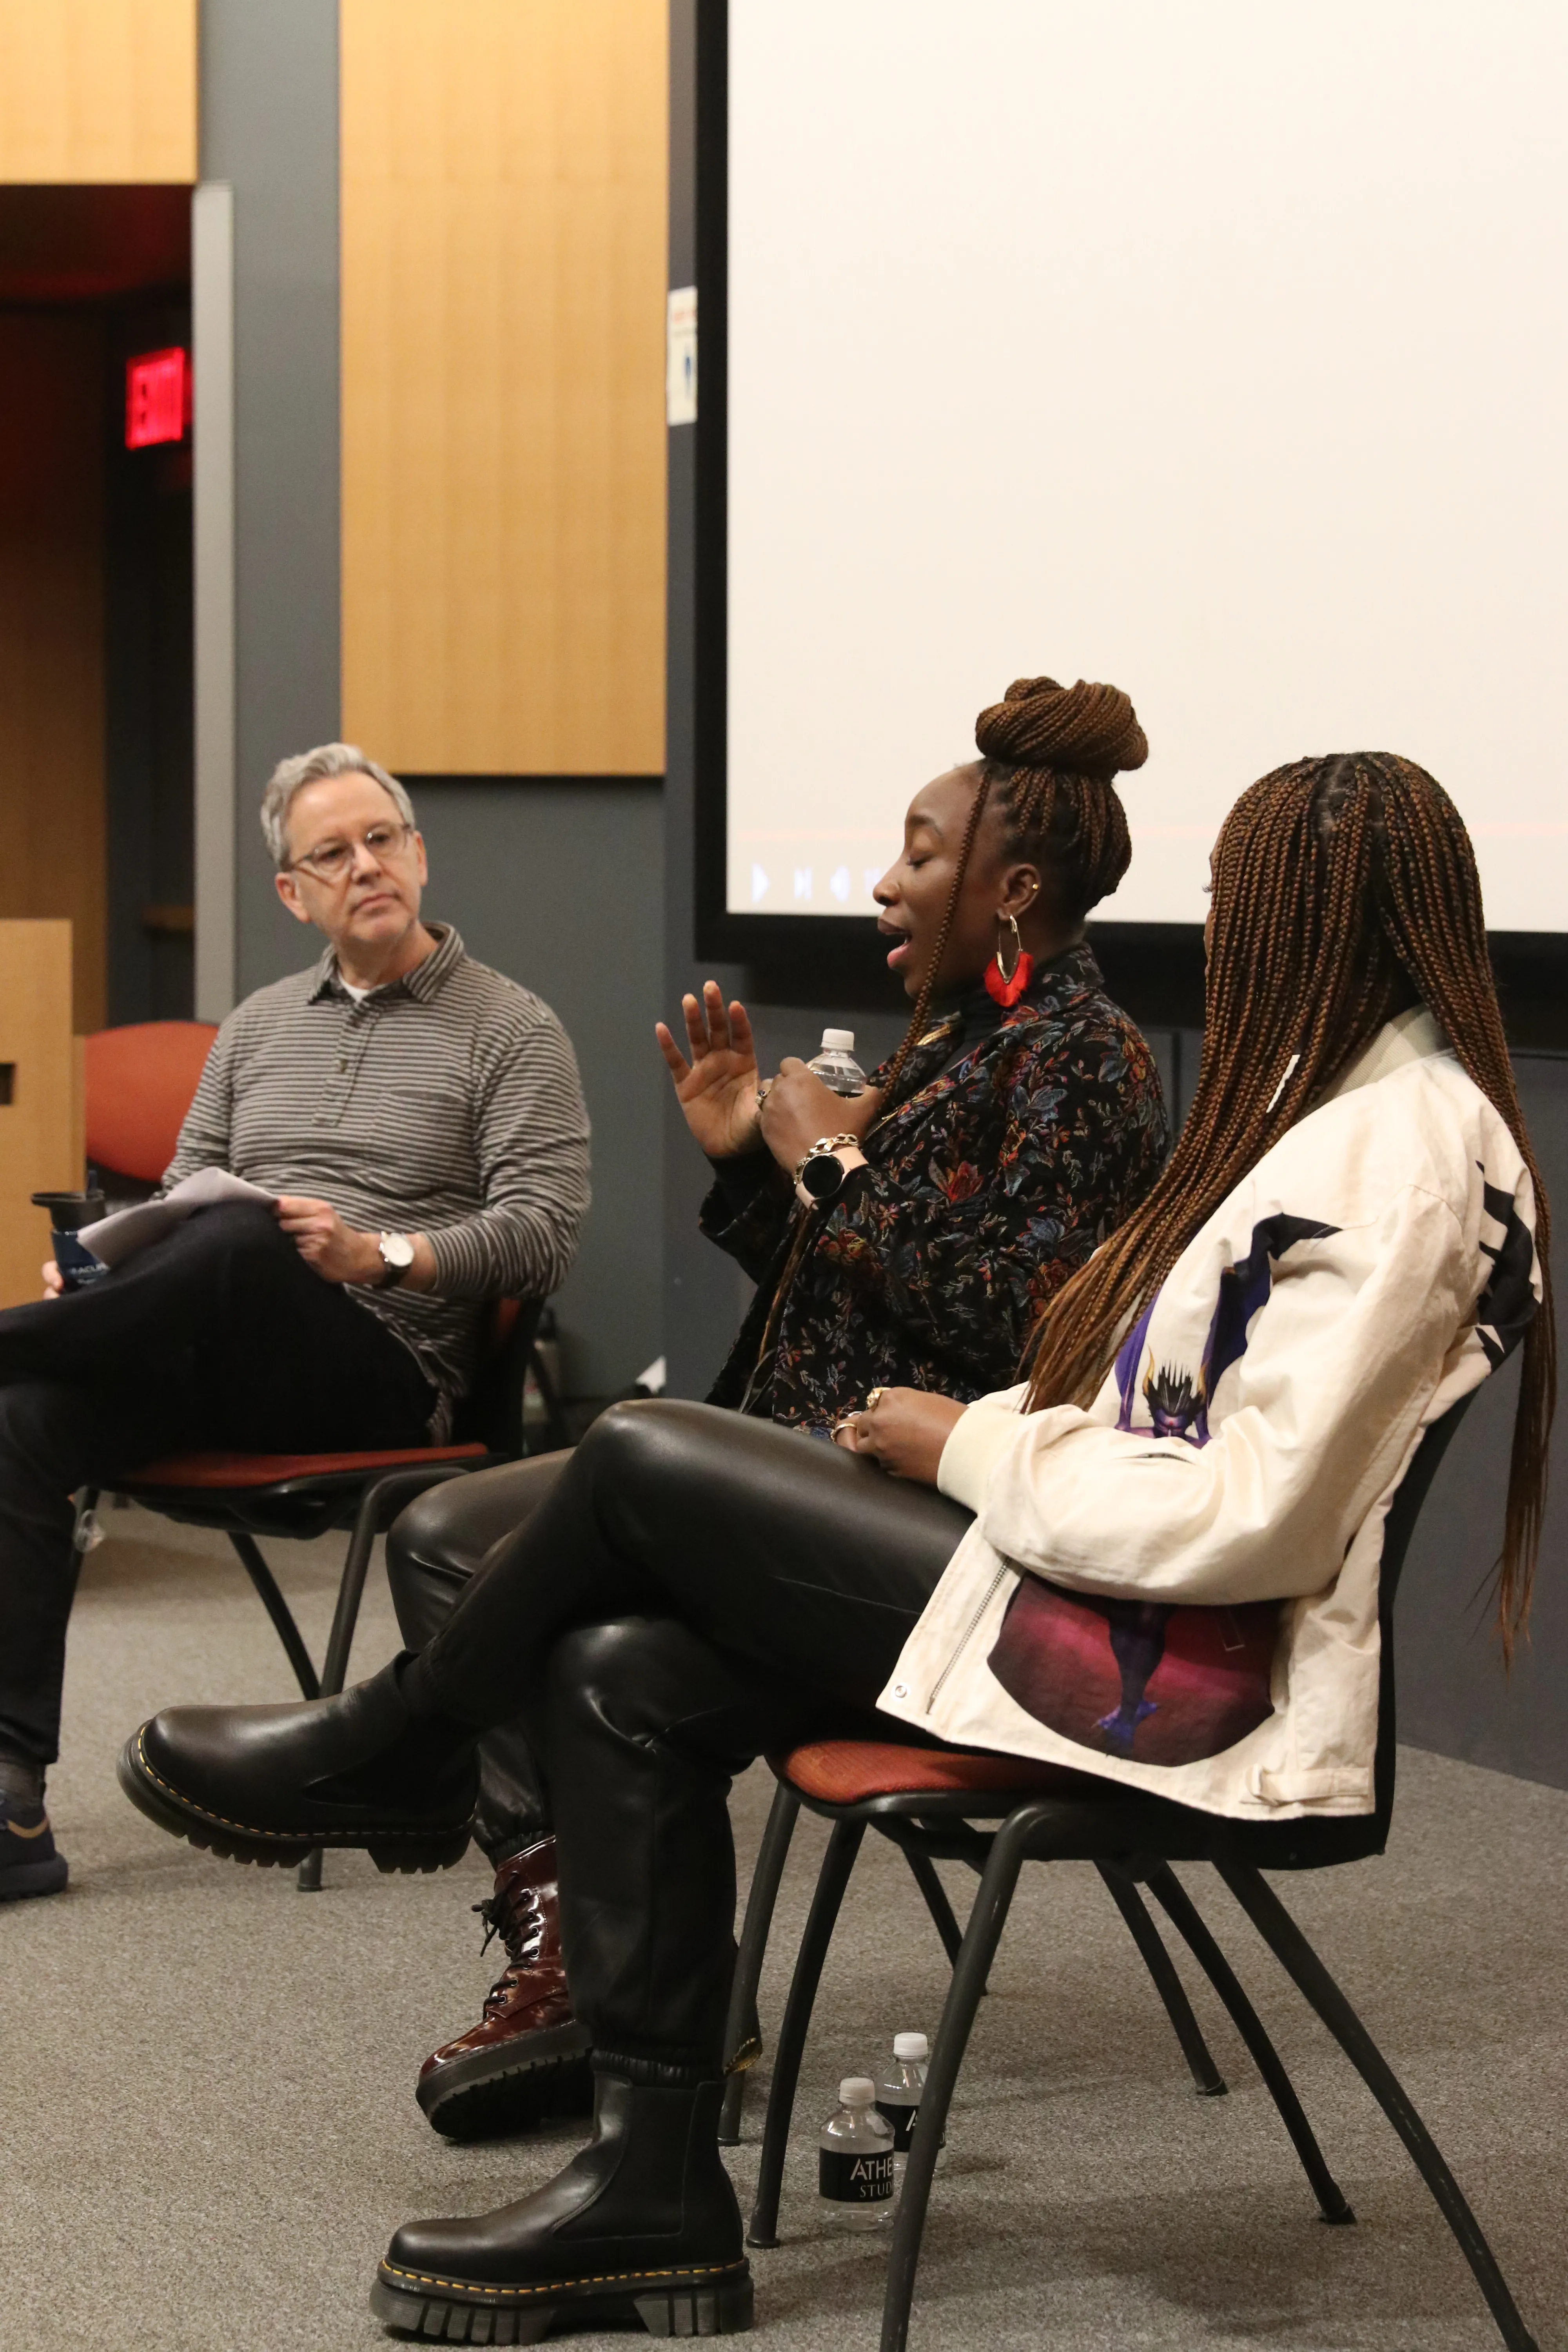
<point x="1006" y="987"/>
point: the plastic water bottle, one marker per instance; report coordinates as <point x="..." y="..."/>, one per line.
<point x="855" y="2161"/>
<point x="836" y="1065"/>
<point x="900" y="2087"/>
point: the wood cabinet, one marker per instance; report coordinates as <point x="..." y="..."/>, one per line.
<point x="40" y="1107"/>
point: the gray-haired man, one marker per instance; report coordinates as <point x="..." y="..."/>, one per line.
<point x="419" y="1121"/>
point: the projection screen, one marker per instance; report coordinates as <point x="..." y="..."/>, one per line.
<point x="1209" y="346"/>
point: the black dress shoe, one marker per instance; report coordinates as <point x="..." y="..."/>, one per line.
<point x="641" y="2226"/>
<point x="269" y="1784"/>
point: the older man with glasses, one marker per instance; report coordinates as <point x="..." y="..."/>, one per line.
<point x="419" y="1122"/>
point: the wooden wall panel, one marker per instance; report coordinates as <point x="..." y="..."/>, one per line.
<point x="39" y="1146"/>
<point x="503" y="275"/>
<point x="97" y="90"/>
<point x="52" y="832"/>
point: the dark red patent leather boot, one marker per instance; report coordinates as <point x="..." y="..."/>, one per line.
<point x="527" y="2058"/>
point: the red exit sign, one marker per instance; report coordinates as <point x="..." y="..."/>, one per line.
<point x="157" y="397"/>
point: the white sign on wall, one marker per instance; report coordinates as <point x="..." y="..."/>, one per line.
<point x="680" y="357"/>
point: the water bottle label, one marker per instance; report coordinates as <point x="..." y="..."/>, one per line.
<point x="850" y="2180"/>
<point x="903" y="2119"/>
<point x="902" y="2116"/>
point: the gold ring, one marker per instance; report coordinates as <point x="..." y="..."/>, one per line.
<point x="874" y="1399"/>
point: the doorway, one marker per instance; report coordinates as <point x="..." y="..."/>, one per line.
<point x="96" y="753"/>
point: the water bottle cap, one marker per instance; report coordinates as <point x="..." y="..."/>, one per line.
<point x="910" y="2045"/>
<point x="838" y="1040"/>
<point x="856" y="2091"/>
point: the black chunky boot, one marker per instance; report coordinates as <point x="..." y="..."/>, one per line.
<point x="267" y="1783"/>
<point x="642" y="2225"/>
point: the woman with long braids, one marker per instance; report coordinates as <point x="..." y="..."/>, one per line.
<point x="1349" y="1236"/>
<point x="1018" y="1124"/>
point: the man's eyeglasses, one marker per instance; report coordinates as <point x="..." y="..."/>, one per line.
<point x="333" y="859"/>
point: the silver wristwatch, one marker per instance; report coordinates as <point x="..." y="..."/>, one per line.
<point x="396" y="1256"/>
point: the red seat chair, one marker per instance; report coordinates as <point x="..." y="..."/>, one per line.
<point x="139" y="1081"/>
<point x="927" y="1801"/>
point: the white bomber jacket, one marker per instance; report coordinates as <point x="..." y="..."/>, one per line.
<point x="1177" y="1588"/>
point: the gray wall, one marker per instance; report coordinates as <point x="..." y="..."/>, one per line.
<point x="269" y="126"/>
<point x="559" y="885"/>
<point x="555" y="882"/>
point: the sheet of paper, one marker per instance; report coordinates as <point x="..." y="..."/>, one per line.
<point x="115" y="1238"/>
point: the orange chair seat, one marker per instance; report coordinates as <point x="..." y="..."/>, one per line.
<point x="848" y="1771"/>
<point x="241" y="1470"/>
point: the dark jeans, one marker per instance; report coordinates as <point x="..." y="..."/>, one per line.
<point x="696" y="1588"/>
<point x="219" y="1336"/>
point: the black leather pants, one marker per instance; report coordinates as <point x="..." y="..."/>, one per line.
<point x="434" y="1549"/>
<point x="695" y="1587"/>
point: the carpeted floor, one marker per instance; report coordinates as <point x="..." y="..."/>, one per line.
<point x="209" y="2127"/>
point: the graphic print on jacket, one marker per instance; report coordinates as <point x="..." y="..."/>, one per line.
<point x="1062" y="1656"/>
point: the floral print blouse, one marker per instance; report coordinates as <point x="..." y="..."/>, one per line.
<point x="1025" y="1137"/>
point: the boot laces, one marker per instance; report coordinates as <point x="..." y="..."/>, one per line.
<point x="520" y="1924"/>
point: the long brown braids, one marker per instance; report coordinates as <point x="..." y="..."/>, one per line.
<point x="1344" y="889"/>
<point x="1050" y="753"/>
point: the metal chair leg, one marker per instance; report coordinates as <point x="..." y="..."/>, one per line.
<point x="277" y="1609"/>
<point x="1301" y="1962"/>
<point x="833" y="1877"/>
<point x="375" y="1504"/>
<point x="1207" y="2080"/>
<point x="741" y="2022"/>
<point x="1177" y="1904"/>
<point x="924" y="1874"/>
<point x="981" y="1938"/>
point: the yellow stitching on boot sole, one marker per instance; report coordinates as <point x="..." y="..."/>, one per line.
<point x="291" y="1837"/>
<point x="559" y="2286"/>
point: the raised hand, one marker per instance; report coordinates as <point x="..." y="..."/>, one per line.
<point x="717" y="1089"/>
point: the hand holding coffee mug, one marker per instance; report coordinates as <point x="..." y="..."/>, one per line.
<point x="69" y="1212"/>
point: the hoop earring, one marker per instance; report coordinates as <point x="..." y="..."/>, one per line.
<point x="1006" y="987"/>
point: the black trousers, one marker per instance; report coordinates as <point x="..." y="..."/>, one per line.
<point x="695" y="1589"/>
<point x="434" y="1549"/>
<point x="219" y="1336"/>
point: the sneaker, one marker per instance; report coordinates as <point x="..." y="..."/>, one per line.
<point x="28" y="1863"/>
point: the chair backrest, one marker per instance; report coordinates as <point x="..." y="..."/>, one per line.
<point x="1400" y="1526"/>
<point x="1312" y="1846"/>
<point x="492" y="1410"/>
<point x="139" y="1084"/>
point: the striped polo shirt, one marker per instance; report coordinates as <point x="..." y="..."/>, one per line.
<point x="446" y="1103"/>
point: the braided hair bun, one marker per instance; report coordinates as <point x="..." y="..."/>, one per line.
<point x="1080" y="730"/>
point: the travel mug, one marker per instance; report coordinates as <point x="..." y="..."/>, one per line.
<point x="69" y="1212"/>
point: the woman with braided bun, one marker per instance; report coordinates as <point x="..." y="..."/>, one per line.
<point x="1349" y="1236"/>
<point x="1007" y="1136"/>
<point x="1019" y="1122"/>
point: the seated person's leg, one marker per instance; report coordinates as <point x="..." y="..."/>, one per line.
<point x="806" y="1570"/>
<point x="642" y="1726"/>
<point x="526" y="2058"/>
<point x="218" y="1335"/>
<point x="225" y="1312"/>
<point x="53" y="1439"/>
<point x="295" y="1363"/>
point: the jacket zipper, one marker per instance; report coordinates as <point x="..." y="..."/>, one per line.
<point x="980" y="1606"/>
